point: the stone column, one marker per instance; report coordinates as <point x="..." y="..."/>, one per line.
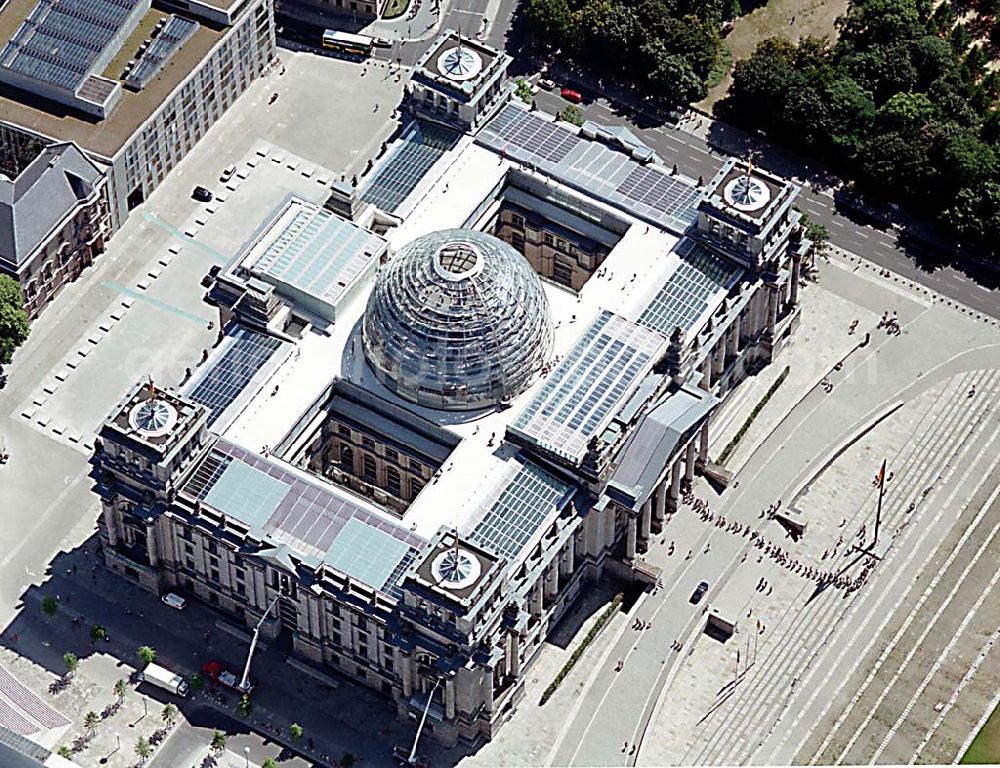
<point x="646" y="519"/>
<point x="720" y="356"/>
<point x="630" y="538"/>
<point x="536" y="601"/>
<point x="515" y="654"/>
<point x="111" y="524"/>
<point x="703" y="447"/>
<point x="552" y="580"/>
<point x="689" y="462"/>
<point x="405" y="664"/>
<point x="449" y="699"/>
<point x="661" y="501"/>
<point x="609" y="526"/>
<point x="706" y="370"/>
<point x="570" y="555"/>
<point x="675" y="483"/>
<point x="772" y="312"/>
<point x="734" y="340"/>
<point x="793" y="297"/>
<point x="487" y="688"/>
<point x="154" y="558"/>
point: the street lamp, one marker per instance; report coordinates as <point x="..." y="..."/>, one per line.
<point x="412" y="759"/>
<point x="246" y="753"/>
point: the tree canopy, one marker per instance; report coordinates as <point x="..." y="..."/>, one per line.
<point x="668" y="47"/>
<point x="903" y="103"/>
<point x="13" y="320"/>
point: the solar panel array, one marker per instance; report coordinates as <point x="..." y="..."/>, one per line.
<point x="684" y="297"/>
<point x="319" y="252"/>
<point x="219" y="385"/>
<point x="402" y="171"/>
<point x="60" y="39"/>
<point x="173" y="35"/>
<point x="647" y="191"/>
<point x="516" y="130"/>
<point x="523" y="505"/>
<point x="597" y="374"/>
<point x="309" y="517"/>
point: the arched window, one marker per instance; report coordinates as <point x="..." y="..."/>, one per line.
<point x="347" y="458"/>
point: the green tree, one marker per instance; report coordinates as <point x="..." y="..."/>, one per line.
<point x="908" y="112"/>
<point x="90" y="721"/>
<point x="346" y="760"/>
<point x="65" y="752"/>
<point x="269" y="762"/>
<point x="49" y="606"/>
<point x="13" y="319"/>
<point x="98" y="633"/>
<point x="146" y="654"/>
<point x="295" y="731"/>
<point x="672" y="76"/>
<point x="551" y="19"/>
<point x="71" y="662"/>
<point x="143" y="750"/>
<point x="169" y="715"/>
<point x="218" y="741"/>
<point x="244" y="706"/>
<point x="121" y="689"/>
<point x="817" y="233"/>
<point x="761" y="81"/>
<point x="571" y="114"/>
<point x="197" y="682"/>
<point x="523" y="91"/>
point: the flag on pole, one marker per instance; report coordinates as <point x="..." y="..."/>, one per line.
<point x="152" y="389"/>
<point x="881" y="472"/>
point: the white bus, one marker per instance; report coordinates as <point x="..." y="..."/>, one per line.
<point x="154" y="674"/>
<point x="346" y="42"/>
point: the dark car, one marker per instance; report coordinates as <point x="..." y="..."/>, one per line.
<point x="699" y="593"/>
<point x="202" y="194"/>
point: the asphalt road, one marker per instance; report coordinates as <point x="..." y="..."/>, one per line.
<point x="695" y="157"/>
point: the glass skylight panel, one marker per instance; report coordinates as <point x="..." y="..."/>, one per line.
<point x="403" y="170"/>
<point x="594" y="378"/>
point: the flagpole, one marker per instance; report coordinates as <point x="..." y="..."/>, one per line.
<point x="878" y="508"/>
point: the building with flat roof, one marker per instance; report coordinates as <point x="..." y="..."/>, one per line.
<point x="134" y="86"/>
<point x="424" y="481"/>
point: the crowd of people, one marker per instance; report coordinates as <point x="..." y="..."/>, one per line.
<point x="766" y="548"/>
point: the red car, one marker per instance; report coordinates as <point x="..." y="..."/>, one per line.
<point x="570" y="95"/>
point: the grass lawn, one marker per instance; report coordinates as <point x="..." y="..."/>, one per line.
<point x="811" y="17"/>
<point x="985" y="748"/>
<point x="395" y="8"/>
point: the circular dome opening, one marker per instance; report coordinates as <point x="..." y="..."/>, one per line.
<point x="456" y="569"/>
<point x="457" y="261"/>
<point x="747" y="193"/>
<point x="153" y="417"/>
<point x="460" y="64"/>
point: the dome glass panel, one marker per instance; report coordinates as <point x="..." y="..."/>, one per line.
<point x="458" y="320"/>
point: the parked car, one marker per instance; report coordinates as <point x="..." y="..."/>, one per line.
<point x="548" y="85"/>
<point x="699" y="593"/>
<point x="382" y="42"/>
<point x="174" y="601"/>
<point x="572" y="96"/>
<point x="201" y="194"/>
<point x="227" y="173"/>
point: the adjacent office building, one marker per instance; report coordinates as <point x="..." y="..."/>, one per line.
<point x="130" y="85"/>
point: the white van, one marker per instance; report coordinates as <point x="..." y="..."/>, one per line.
<point x="162" y="677"/>
<point x="227" y="173"/>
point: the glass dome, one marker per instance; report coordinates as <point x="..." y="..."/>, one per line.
<point x="457" y="320"/>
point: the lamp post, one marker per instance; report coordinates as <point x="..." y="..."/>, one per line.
<point x="246" y="753"/>
<point x="412" y="759"/>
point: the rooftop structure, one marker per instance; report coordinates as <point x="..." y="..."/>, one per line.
<point x="40" y="198"/>
<point x="61" y="45"/>
<point x="313" y="257"/>
<point x="622" y="175"/>
<point x="457" y="320"/>
<point x="459" y="81"/>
